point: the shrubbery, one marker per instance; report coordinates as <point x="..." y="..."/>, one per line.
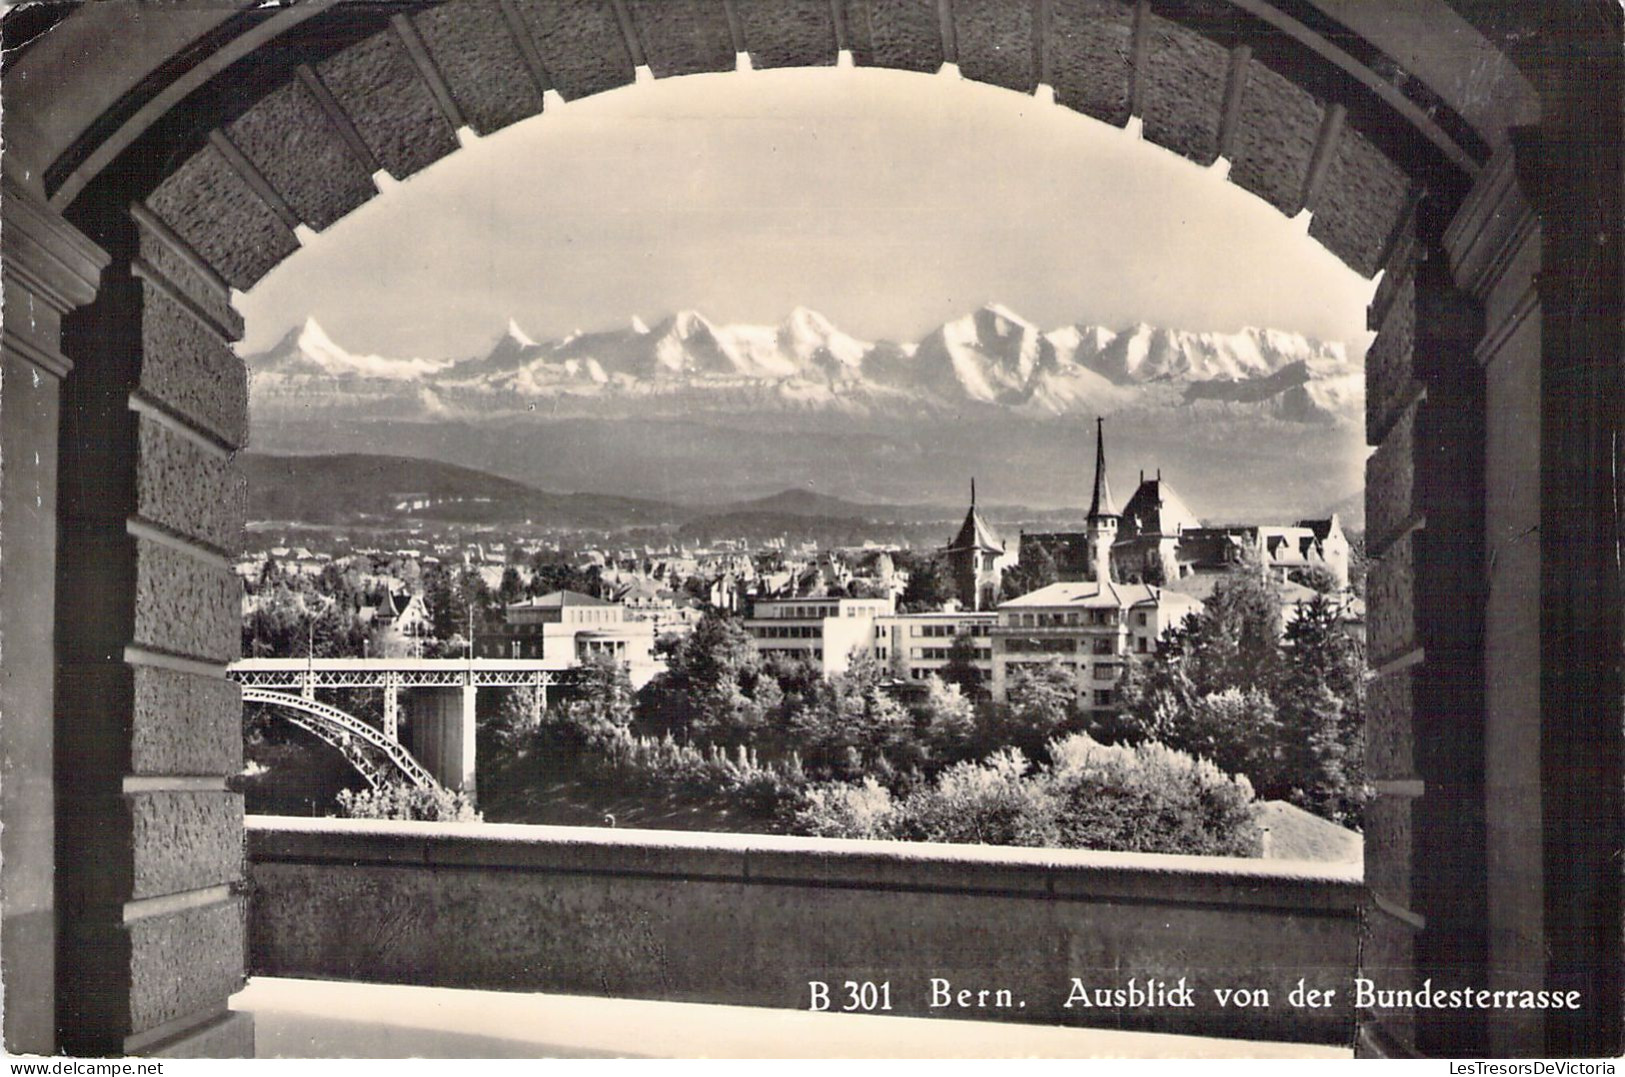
<point x="398" y="800"/>
<point x="1147" y="798"/>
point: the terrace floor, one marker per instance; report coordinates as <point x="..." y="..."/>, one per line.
<point x="343" y="1019"/>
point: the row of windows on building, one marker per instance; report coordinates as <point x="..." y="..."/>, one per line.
<point x="1072" y="618"/>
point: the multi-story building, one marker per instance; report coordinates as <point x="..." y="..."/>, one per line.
<point x="826" y="632"/>
<point x="1092" y="628"/>
<point x="566" y="627"/>
<point x="913" y="646"/>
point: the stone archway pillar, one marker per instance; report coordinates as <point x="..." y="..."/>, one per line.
<point x="50" y="268"/>
<point x="149" y="854"/>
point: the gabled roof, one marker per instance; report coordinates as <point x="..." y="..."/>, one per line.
<point x="1155" y="509"/>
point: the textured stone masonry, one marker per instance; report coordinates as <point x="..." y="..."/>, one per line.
<point x="1276" y="131"/>
<point x="683" y="37"/>
<point x="184" y="605"/>
<point x="1360" y="203"/>
<point x="1390" y="740"/>
<point x="188" y="489"/>
<point x="903" y="34"/>
<point x="1391" y="591"/>
<point x="1183" y="89"/>
<point x="1389" y="483"/>
<point x="191" y="370"/>
<point x="470" y="43"/>
<point x="185" y="723"/>
<point x="787" y="33"/>
<point x="295" y="147"/>
<point x="1091" y="56"/>
<point x="182" y="841"/>
<point x="581" y="44"/>
<point x="997" y="42"/>
<point x="184" y="963"/>
<point x="391" y="106"/>
<point x="219" y="216"/>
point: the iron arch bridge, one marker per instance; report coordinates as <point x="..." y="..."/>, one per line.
<point x="438" y="694"/>
<point x="376" y="756"/>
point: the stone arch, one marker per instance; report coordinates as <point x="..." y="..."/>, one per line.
<point x="192" y="149"/>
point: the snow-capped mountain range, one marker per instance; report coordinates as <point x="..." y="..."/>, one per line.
<point x="991" y="360"/>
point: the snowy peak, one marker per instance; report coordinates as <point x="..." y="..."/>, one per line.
<point x="308" y="350"/>
<point x="991" y="357"/>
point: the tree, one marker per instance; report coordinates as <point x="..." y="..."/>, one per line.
<point x="512" y="588"/>
<point x="929" y="586"/>
<point x="946" y="721"/>
<point x="961" y="669"/>
<point x="714" y="687"/>
<point x="848" y="724"/>
<point x="1317" y="578"/>
<point x="1322" y="705"/>
<point x="1035" y="570"/>
<point x="1042" y="704"/>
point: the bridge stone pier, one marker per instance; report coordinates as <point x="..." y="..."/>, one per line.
<point x="440" y="729"/>
<point x="438" y="693"/>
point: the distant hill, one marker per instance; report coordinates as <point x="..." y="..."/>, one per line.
<point x="349" y="487"/>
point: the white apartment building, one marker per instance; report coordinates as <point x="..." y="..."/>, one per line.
<point x="913" y="646"/>
<point x="826" y="632"/>
<point x="1090" y="627"/>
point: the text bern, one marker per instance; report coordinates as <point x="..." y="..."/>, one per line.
<point x="1152" y="994"/>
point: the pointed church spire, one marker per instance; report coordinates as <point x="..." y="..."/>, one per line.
<point x="1102" y="504"/>
<point x="973" y="491"/>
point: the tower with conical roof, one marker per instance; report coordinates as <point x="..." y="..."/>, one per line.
<point x="976" y="559"/>
<point x="1103" y="515"/>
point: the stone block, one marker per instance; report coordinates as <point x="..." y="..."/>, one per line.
<point x="903" y="34"/>
<point x="185" y="723"/>
<point x="185" y="962"/>
<point x="1391" y="594"/>
<point x="1182" y="90"/>
<point x="296" y="148"/>
<point x="788" y="33"/>
<point x="580" y="43"/>
<point x="1091" y="47"/>
<point x="1390" y="479"/>
<point x="1390" y="736"/>
<point x="683" y="37"/>
<point x="1276" y="130"/>
<point x="210" y="298"/>
<point x="1360" y="202"/>
<point x="183" y="841"/>
<point x="191" y="370"/>
<point x="1390" y="849"/>
<point x="483" y="68"/>
<point x="1390" y="364"/>
<point x="997" y="43"/>
<point x="184" y="605"/>
<point x="216" y="212"/>
<point x="188" y="489"/>
<point x="391" y="106"/>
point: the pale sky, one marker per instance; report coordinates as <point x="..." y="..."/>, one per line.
<point x="889" y="201"/>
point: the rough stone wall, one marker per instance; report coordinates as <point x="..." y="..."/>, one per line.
<point x="149" y="730"/>
<point x="1425" y="849"/>
<point x="657" y="916"/>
